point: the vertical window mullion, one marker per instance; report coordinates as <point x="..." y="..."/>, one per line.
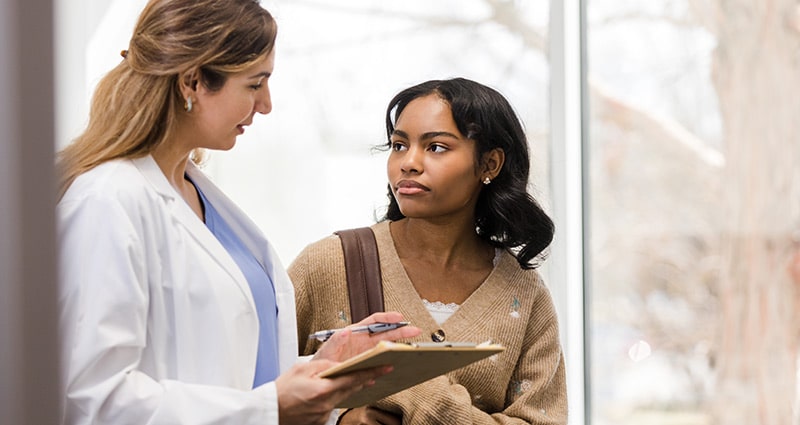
<point x="566" y="262"/>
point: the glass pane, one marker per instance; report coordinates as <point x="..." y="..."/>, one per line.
<point x="694" y="217"/>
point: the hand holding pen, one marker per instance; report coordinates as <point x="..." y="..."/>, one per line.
<point x="347" y="342"/>
<point x="372" y="328"/>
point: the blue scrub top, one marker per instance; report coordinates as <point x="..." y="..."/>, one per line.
<point x="267" y="367"/>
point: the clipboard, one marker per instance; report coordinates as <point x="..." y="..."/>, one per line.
<point x="413" y="364"/>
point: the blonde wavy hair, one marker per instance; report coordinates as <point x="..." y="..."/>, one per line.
<point x="135" y="106"/>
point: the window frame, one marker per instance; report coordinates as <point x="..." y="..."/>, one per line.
<point x="567" y="274"/>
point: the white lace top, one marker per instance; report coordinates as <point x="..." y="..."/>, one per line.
<point x="439" y="310"/>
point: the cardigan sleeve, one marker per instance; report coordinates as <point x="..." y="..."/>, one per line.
<point x="299" y="274"/>
<point x="536" y="393"/>
<point x="319" y="280"/>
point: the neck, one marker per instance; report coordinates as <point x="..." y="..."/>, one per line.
<point x="448" y="244"/>
<point x="172" y="157"/>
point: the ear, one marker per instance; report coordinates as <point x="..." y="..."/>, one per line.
<point x="187" y="82"/>
<point x="492" y="163"/>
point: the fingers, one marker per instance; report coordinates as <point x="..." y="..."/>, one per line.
<point x="317" y="366"/>
<point x="345" y="336"/>
<point x="369" y="416"/>
<point x="345" y="343"/>
<point x="383" y="417"/>
<point x="408" y="331"/>
<point x="305" y="398"/>
<point x="364" y="377"/>
<point x="356" y="381"/>
<point x="385" y="317"/>
<point x="399" y="333"/>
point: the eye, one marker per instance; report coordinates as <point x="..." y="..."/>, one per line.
<point x="259" y="83"/>
<point x="436" y="148"/>
<point x="398" y="146"/>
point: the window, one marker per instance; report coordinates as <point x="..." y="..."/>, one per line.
<point x="693" y="147"/>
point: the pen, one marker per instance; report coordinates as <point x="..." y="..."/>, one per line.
<point x="371" y="328"/>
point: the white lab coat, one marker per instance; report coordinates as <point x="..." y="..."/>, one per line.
<point x="157" y="320"/>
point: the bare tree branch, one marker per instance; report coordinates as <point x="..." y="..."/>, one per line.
<point x="650" y="125"/>
<point x="628" y="116"/>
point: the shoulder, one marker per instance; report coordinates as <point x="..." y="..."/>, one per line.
<point x="120" y="180"/>
<point x="318" y="257"/>
<point x="510" y="268"/>
<point x="330" y="246"/>
<point x="102" y="178"/>
<point x="525" y="281"/>
<point x="112" y="193"/>
<point x="325" y="248"/>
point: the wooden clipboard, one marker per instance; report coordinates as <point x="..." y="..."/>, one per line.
<point x="413" y="364"/>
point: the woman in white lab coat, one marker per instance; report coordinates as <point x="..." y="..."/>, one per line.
<point x="174" y="308"/>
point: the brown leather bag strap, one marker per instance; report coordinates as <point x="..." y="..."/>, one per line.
<point x="363" y="269"/>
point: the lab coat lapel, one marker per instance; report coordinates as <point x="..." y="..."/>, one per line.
<point x="184" y="216"/>
<point x="266" y="255"/>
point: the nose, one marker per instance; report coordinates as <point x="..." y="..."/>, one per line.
<point x="411" y="162"/>
<point x="263" y="103"/>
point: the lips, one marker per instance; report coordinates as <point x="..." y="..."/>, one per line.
<point x="410" y="187"/>
<point x="241" y="127"/>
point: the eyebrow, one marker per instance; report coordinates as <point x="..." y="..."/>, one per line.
<point x="428" y="135"/>
<point x="264" y="74"/>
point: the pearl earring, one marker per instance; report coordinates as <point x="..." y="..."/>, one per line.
<point x="487" y="180"/>
<point x="187" y="106"/>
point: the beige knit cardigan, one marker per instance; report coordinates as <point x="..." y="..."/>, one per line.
<point x="524" y="384"/>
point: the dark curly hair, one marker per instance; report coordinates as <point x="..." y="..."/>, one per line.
<point x="506" y="215"/>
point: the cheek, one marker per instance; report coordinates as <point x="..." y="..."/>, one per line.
<point x="463" y="177"/>
<point x="240" y="109"/>
<point x="460" y="185"/>
<point x="392" y="168"/>
<point x="234" y="108"/>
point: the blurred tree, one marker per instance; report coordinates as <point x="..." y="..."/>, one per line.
<point x="733" y="216"/>
<point x="755" y="66"/>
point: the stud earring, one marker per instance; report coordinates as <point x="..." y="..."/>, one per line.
<point x="487" y="180"/>
<point x="187" y="106"/>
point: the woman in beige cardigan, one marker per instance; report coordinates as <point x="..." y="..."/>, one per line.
<point x="458" y="250"/>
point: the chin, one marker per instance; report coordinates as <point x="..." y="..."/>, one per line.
<point x="228" y="146"/>
<point x="412" y="213"/>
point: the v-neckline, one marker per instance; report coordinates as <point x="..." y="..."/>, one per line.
<point x="458" y="325"/>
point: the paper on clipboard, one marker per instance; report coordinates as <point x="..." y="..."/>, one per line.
<point x="413" y="364"/>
